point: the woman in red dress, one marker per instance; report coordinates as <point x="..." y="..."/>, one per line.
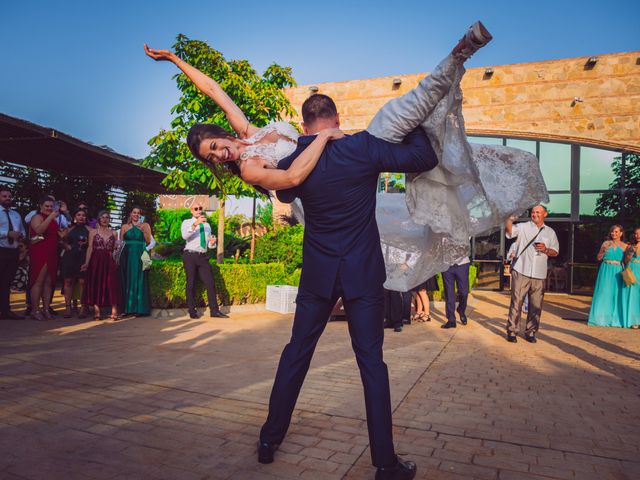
<point x="102" y="286"/>
<point x="43" y="263"/>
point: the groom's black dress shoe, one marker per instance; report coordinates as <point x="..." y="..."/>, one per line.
<point x="448" y="325"/>
<point x="265" y="452"/>
<point x="530" y="338"/>
<point x="512" y="338"/>
<point x="463" y="319"/>
<point x="194" y="314"/>
<point x="218" y="314"/>
<point x="403" y="470"/>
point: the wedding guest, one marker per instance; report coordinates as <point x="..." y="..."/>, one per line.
<point x="422" y="299"/>
<point x="102" y="285"/>
<point x="631" y="293"/>
<point x="606" y="304"/>
<point x="63" y="220"/>
<point x="456" y="277"/>
<point x="43" y="258"/>
<point x="75" y="240"/>
<point x="11" y="233"/>
<point x="136" y="235"/>
<point x="536" y="243"/>
<point x="197" y="233"/>
<point x="20" y="281"/>
<point x="511" y="254"/>
<point x="91" y="222"/>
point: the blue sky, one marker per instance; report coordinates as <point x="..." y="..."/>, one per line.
<point x="79" y="67"/>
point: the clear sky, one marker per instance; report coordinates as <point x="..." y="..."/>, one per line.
<point x="79" y="67"/>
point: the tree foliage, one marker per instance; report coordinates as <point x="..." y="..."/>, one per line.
<point x="31" y="184"/>
<point x="626" y="179"/>
<point x="261" y="98"/>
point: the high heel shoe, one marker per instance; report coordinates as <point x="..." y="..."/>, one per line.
<point x="38" y="315"/>
<point x="67" y="311"/>
<point x="476" y="37"/>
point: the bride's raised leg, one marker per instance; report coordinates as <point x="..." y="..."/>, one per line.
<point x="399" y="116"/>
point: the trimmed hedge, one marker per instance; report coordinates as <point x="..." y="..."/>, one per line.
<point x="235" y="283"/>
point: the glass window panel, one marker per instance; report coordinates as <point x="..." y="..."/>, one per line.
<point x="605" y="204"/>
<point x="486" y="140"/>
<point x="596" y="171"/>
<point x="555" y="163"/>
<point x="559" y="205"/>
<point x="526" y="145"/>
<point x="632" y="167"/>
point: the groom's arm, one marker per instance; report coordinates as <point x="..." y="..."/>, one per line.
<point x="415" y="154"/>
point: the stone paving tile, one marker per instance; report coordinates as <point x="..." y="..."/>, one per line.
<point x="169" y="397"/>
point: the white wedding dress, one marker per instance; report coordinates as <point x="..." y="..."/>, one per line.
<point x="472" y="191"/>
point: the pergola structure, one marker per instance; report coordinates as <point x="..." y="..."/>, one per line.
<point x="32" y="145"/>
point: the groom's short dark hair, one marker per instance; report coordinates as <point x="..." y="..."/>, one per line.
<point x="318" y="106"/>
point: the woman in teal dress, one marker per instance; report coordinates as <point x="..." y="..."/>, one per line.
<point x="136" y="235"/>
<point x="631" y="293"/>
<point x="606" y="306"/>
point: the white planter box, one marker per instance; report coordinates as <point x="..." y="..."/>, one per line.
<point x="281" y="298"/>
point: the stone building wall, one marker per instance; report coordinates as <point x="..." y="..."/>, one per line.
<point x="531" y="100"/>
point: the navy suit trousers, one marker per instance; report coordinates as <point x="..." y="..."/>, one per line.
<point x="365" y="319"/>
<point x="456" y="275"/>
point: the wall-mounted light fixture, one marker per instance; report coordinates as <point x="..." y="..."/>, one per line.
<point x="396" y="83"/>
<point x="576" y="100"/>
<point x="590" y="63"/>
<point x="488" y="73"/>
<point x="313" y="89"/>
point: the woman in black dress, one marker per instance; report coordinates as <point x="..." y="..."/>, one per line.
<point x="75" y="249"/>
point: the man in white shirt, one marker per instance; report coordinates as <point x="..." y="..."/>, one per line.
<point x="457" y="274"/>
<point x="197" y="233"/>
<point x="11" y="231"/>
<point x="536" y="242"/>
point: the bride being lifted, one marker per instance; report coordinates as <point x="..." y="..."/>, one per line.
<point x="474" y="189"/>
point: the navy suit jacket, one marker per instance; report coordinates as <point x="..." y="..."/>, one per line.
<point x="339" y="198"/>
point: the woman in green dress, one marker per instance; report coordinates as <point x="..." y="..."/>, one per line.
<point x="606" y="305"/>
<point x="136" y="235"/>
<point x="631" y="293"/>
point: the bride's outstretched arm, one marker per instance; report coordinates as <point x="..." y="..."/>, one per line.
<point x="210" y="88"/>
<point x="298" y="171"/>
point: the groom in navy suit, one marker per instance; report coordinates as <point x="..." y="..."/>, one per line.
<point x="342" y="257"/>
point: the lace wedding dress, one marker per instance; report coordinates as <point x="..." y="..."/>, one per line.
<point x="473" y="190"/>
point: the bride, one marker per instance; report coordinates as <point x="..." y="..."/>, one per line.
<point x="474" y="189"/>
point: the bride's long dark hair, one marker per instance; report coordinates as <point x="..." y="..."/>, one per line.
<point x="200" y="132"/>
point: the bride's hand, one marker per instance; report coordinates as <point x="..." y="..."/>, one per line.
<point x="159" y="55"/>
<point x="332" y="133"/>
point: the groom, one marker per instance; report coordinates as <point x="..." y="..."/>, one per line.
<point x="342" y="258"/>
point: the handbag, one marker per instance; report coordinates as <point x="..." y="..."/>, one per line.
<point x="629" y="277"/>
<point x="117" y="251"/>
<point x="146" y="261"/>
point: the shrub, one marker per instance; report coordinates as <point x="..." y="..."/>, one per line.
<point x="235" y="283"/>
<point x="167" y="228"/>
<point x="281" y="245"/>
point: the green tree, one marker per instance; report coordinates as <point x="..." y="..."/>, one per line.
<point x="627" y="183"/>
<point x="261" y="97"/>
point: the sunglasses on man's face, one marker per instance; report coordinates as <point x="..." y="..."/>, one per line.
<point x="197" y="209"/>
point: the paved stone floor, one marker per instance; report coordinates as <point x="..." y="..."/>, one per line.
<point x="167" y="397"/>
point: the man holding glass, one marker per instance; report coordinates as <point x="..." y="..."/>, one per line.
<point x="197" y="233"/>
<point x="536" y="242"/>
